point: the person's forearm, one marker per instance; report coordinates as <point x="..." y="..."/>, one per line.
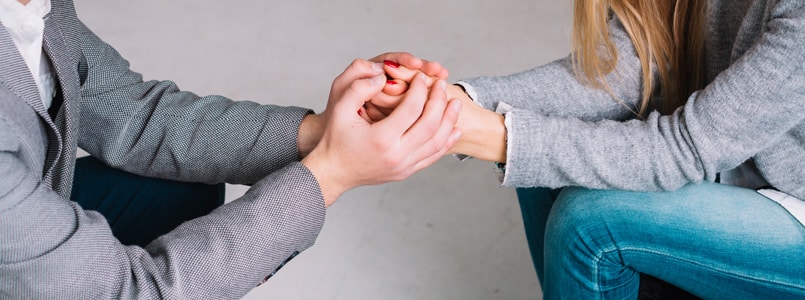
<point x="484" y="131"/>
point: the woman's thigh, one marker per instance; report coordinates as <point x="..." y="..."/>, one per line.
<point x="710" y="239"/>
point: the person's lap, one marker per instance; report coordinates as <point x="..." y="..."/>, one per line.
<point x="712" y="240"/>
<point x="535" y="206"/>
<point x="140" y="209"/>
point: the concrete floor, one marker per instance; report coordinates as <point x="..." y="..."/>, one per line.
<point x="449" y="232"/>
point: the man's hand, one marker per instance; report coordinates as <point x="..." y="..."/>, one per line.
<point x="354" y="152"/>
<point x="483" y="131"/>
<point x="312" y="127"/>
<point x="398" y="80"/>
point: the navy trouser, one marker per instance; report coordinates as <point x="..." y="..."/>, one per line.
<point x="140" y="209"/>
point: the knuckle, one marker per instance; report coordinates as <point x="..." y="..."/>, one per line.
<point x="392" y="163"/>
<point x="359" y="85"/>
<point x="379" y="145"/>
<point x="434" y="66"/>
<point x="430" y="80"/>
<point x="433" y="147"/>
<point x="430" y="128"/>
<point x="357" y="64"/>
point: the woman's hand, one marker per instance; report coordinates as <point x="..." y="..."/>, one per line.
<point x="398" y="79"/>
<point x="483" y="131"/>
<point x="410" y="62"/>
<point x="354" y="152"/>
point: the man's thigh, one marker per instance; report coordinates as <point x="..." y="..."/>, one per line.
<point x="140" y="209"/>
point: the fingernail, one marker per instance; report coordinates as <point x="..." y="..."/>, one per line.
<point x="378" y="80"/>
<point x="378" y="68"/>
<point x="456" y="106"/>
<point x="391" y="64"/>
<point x="360" y="112"/>
<point x="455" y="136"/>
<point x="443" y="85"/>
<point x="391" y="82"/>
<point x="422" y="77"/>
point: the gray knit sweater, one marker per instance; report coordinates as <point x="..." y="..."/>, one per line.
<point x="563" y="133"/>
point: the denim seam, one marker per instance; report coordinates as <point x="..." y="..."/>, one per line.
<point x="711" y="268"/>
<point x="597" y="259"/>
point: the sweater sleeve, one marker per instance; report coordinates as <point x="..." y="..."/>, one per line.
<point x="555" y="90"/>
<point x="749" y="106"/>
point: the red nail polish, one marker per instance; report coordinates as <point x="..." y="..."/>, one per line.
<point x="391" y="82"/>
<point x="360" y="112"/>
<point x="391" y="64"/>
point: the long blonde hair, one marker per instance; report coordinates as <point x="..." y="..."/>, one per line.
<point x="667" y="34"/>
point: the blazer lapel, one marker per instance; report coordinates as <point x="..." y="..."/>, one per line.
<point x="14" y="73"/>
<point x="65" y="64"/>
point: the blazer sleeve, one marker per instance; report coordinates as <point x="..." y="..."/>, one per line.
<point x="152" y="128"/>
<point x="555" y="90"/>
<point x="749" y="106"/>
<point x="50" y="248"/>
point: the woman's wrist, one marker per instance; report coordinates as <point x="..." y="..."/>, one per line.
<point x="484" y="136"/>
<point x="484" y="131"/>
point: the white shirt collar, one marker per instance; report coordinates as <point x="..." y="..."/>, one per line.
<point x="13" y="12"/>
<point x="25" y="24"/>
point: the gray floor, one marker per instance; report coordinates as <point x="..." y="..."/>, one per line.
<point x="449" y="232"/>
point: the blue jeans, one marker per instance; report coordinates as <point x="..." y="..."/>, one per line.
<point x="140" y="209"/>
<point x="712" y="240"/>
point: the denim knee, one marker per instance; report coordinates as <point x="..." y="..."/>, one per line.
<point x="580" y="250"/>
<point x="580" y="227"/>
<point x="576" y="211"/>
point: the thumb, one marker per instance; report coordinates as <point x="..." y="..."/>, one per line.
<point x="359" y="92"/>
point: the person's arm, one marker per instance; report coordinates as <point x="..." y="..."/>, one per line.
<point x="152" y="128"/>
<point x="554" y="89"/>
<point x="50" y="247"/>
<point x="745" y="109"/>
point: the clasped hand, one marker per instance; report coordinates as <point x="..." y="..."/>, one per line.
<point x="356" y="149"/>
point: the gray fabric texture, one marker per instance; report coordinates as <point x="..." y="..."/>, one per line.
<point x="50" y="248"/>
<point x="562" y="132"/>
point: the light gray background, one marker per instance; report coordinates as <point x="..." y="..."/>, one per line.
<point x="449" y="232"/>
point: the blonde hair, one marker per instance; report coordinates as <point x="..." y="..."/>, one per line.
<point x="667" y="34"/>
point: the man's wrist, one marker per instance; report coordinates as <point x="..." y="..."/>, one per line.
<point x="326" y="176"/>
<point x="311" y="130"/>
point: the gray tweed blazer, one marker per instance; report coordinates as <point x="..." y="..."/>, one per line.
<point x="50" y="248"/>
